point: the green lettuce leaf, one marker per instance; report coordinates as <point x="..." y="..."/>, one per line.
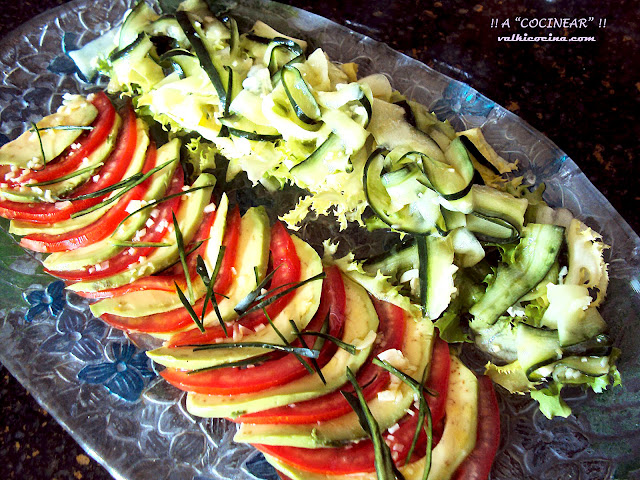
<point x="551" y="403"/>
<point x="450" y="330"/>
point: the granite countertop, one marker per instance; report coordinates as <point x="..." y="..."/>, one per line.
<point x="582" y="95"/>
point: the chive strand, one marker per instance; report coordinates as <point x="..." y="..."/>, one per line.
<point x="44" y="160"/>
<point x="302" y="351"/>
<point x="385" y="468"/>
<point x="239" y="363"/>
<point x="314" y="362"/>
<point x="183" y="256"/>
<point x="251" y="297"/>
<point x="304" y="363"/>
<point x="127" y="185"/>
<point x="61" y="127"/>
<point x="140" y="244"/>
<point x="66" y="177"/>
<point x="343" y="345"/>
<point x="423" y="260"/>
<point x="424" y="412"/>
<point x="272" y="299"/>
<point x="153" y="203"/>
<point x="189" y="308"/>
<point x="210" y="282"/>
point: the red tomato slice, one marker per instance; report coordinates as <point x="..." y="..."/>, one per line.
<point x="360" y="457"/>
<point x="103" y="227"/>
<point x="179" y="318"/>
<point x="286" y="264"/>
<point x="111" y="172"/>
<point x="333" y="405"/>
<point x="477" y="465"/>
<point x="438" y="380"/>
<point x="232" y="381"/>
<point x="69" y="160"/>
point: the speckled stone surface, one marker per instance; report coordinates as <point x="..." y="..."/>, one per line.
<point x="583" y="95"/>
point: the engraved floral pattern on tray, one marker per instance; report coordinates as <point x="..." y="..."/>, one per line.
<point x="98" y="383"/>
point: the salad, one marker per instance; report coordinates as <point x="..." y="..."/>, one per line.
<point x="129" y="221"/>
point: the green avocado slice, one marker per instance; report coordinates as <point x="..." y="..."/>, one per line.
<point x="387" y="407"/>
<point x="360" y="327"/>
<point x="189" y="217"/>
<point x="458" y="438"/>
<point x="301" y="309"/>
<point x="148" y="302"/>
<point x="50" y="193"/>
<point x="24" y="150"/>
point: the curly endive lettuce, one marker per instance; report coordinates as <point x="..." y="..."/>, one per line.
<point x="510" y="376"/>
<point x="586" y="263"/>
<point x="513" y="378"/>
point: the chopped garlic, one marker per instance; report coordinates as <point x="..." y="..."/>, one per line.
<point x="394" y="357"/>
<point x="244" y="330"/>
<point x="386" y="396"/>
<point x="134" y="205"/>
<point x="237" y="335"/>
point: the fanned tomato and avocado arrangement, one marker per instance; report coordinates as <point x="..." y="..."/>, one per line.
<point x="334" y="368"/>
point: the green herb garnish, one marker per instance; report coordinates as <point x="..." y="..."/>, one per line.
<point x="201" y="269"/>
<point x="103" y="191"/>
<point x="251" y="297"/>
<point x="37" y="130"/>
<point x="209" y="281"/>
<point x="303" y="351"/>
<point x="61" y="127"/>
<point x="126" y="185"/>
<point x="195" y="247"/>
<point x="422" y="271"/>
<point x="183" y="256"/>
<point x="385" y="468"/>
<point x="189" y="308"/>
<point x="343" y="345"/>
<point x="423" y="411"/>
<point x="285" y="341"/>
<point x="272" y="299"/>
<point x="66" y="177"/>
<point x="314" y="362"/>
<point x="163" y="199"/>
<point x="140" y="244"/>
<point x="239" y="363"/>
